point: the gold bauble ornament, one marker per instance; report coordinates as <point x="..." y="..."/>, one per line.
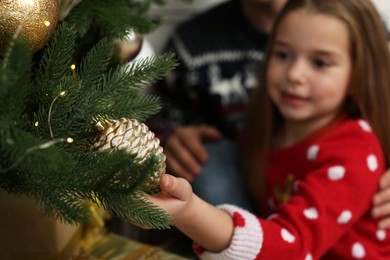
<point x="135" y="138"/>
<point x="128" y="48"/>
<point x="34" y="20"/>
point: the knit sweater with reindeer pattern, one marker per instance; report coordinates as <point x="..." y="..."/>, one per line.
<point x="219" y="55"/>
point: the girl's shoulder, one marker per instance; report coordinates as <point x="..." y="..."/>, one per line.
<point x="354" y="141"/>
<point x="351" y="130"/>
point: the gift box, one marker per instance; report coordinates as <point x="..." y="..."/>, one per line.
<point x="115" y="247"/>
<point x="26" y="233"/>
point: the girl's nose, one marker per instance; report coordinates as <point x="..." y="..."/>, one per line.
<point x="296" y="72"/>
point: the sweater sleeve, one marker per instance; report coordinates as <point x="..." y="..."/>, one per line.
<point x="330" y="204"/>
<point x="247" y="238"/>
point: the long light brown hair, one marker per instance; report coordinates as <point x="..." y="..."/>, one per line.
<point x="370" y="83"/>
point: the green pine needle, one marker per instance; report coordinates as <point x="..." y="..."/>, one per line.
<point x="48" y="117"/>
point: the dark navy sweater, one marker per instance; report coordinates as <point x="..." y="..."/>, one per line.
<point x="220" y="55"/>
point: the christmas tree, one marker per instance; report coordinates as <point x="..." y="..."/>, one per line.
<point x="64" y="106"/>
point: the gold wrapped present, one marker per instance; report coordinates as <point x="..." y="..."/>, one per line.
<point x="116" y="247"/>
<point x="26" y="233"/>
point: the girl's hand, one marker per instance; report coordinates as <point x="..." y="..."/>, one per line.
<point x="205" y="224"/>
<point x="381" y="201"/>
<point x="175" y="196"/>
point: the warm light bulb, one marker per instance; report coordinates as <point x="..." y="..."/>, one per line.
<point x="69" y="140"/>
<point x="62" y="93"/>
<point x="46" y="23"/>
<point x="36" y="123"/>
<point x="73" y="69"/>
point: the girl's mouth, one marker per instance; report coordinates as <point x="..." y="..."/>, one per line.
<point x="292" y="99"/>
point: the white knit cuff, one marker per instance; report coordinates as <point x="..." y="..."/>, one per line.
<point x="247" y="238"/>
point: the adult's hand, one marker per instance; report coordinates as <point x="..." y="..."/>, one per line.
<point x="381" y="201"/>
<point x="185" y="151"/>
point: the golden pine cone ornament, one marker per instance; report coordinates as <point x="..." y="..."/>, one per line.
<point x="135" y="138"/>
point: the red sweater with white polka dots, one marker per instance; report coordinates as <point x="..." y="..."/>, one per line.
<point x="320" y="194"/>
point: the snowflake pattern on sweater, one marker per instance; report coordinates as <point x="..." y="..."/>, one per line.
<point x="328" y="214"/>
<point x="218" y="70"/>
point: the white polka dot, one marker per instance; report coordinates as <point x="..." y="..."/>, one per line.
<point x="312" y="152"/>
<point x="311" y="213"/>
<point x="309" y="257"/>
<point x="344" y="217"/>
<point x="336" y="173"/>
<point x="287" y="236"/>
<point x="381" y="234"/>
<point x="358" y="250"/>
<point x="372" y="163"/>
<point x="365" y="126"/>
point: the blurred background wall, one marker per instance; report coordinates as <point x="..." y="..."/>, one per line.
<point x="175" y="11"/>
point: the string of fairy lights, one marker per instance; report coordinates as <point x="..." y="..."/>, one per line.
<point x="49" y="143"/>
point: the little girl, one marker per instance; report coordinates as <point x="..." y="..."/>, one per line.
<point x="316" y="144"/>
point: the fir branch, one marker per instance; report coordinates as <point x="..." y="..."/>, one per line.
<point x="95" y="64"/>
<point x="35" y="161"/>
<point x="127" y="82"/>
<point x="57" y="57"/>
<point x="114" y="18"/>
<point x="136" y="107"/>
<point x="116" y="96"/>
<point x="62" y="206"/>
<point x="113" y="171"/>
<point x="53" y="118"/>
<point x="100" y="166"/>
<point x="116" y="184"/>
<point x="15" y="79"/>
<point x="146" y="71"/>
<point x="117" y="21"/>
<point x="140" y="211"/>
<point x="53" y="68"/>
<point x="82" y="17"/>
<point x="143" y="6"/>
<point x="22" y="151"/>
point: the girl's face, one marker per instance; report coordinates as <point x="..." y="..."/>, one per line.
<point x="309" y="70"/>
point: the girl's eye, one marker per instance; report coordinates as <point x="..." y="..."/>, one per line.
<point x="281" y="55"/>
<point x="321" y="63"/>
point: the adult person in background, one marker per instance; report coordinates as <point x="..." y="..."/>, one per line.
<point x="220" y="52"/>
